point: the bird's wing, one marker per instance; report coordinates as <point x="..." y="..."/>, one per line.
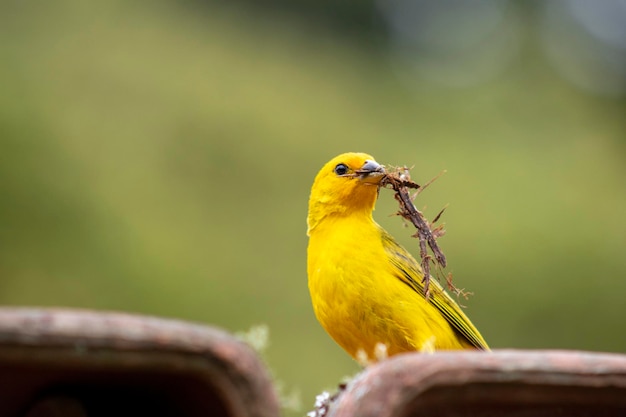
<point x="410" y="272"/>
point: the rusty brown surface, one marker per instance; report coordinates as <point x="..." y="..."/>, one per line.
<point x="498" y="383"/>
<point x="119" y="364"/>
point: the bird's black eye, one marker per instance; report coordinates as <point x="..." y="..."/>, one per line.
<point x="341" y="169"/>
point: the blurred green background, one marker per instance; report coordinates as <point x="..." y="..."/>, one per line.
<point x="156" y="157"/>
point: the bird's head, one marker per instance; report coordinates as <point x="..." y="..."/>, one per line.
<point x="347" y="184"/>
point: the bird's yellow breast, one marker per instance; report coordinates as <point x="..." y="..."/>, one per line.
<point x="360" y="301"/>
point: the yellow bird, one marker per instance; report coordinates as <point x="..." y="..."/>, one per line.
<point x="366" y="289"/>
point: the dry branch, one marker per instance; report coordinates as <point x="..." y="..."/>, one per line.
<point x="400" y="181"/>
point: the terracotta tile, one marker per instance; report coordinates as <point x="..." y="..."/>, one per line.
<point x="499" y="383"/>
<point x="85" y="363"/>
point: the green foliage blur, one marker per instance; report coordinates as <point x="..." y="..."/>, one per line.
<point x="157" y="159"/>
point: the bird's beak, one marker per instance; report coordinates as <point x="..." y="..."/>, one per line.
<point x="371" y="172"/>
